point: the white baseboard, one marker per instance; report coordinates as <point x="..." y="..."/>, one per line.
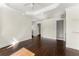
<point x="4" y="44"/>
<point x="49" y="37"/>
<point x="72" y="47"/>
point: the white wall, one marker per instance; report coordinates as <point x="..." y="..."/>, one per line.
<point x="14" y="25"/>
<point x="48" y="28"/>
<point x="72" y="27"/>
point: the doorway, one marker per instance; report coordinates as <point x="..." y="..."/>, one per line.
<point x="60" y="30"/>
<point x="60" y="35"/>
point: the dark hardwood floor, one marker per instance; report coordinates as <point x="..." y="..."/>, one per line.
<point x="41" y="47"/>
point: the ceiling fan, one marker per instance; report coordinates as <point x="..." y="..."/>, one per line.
<point x="32" y="5"/>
